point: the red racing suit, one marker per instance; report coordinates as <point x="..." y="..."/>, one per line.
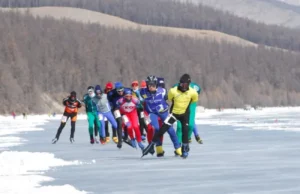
<point x="130" y="117"/>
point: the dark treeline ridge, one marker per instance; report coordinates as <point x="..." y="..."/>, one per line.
<point x="42" y="60"/>
<point x="179" y="14"/>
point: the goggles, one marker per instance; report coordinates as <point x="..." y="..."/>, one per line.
<point x="135" y="85"/>
<point x="120" y="90"/>
<point x="128" y="96"/>
<point x="153" y="85"/>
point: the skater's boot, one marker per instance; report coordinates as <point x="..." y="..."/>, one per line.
<point x="143" y="137"/>
<point x="159" y="151"/>
<point x="119" y="145"/>
<point x="178" y="152"/>
<point x="185" y="150"/>
<point x="152" y="150"/>
<point x="128" y="141"/>
<point x="103" y="140"/>
<point x="96" y="139"/>
<point x="198" y="139"/>
<point x="92" y="141"/>
<point x="133" y="143"/>
<point x="115" y="139"/>
<point x="54" y="140"/>
<point x="148" y="149"/>
<point x="72" y="140"/>
<point x="141" y="146"/>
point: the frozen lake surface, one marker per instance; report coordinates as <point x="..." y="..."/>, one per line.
<point x="244" y="152"/>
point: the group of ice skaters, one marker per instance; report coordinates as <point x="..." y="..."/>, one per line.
<point x="133" y="111"/>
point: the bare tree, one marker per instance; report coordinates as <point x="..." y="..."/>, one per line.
<point x="40" y="65"/>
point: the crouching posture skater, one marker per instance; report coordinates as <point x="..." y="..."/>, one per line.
<point x="113" y="96"/>
<point x="181" y="97"/>
<point x="157" y="108"/>
<point x="104" y="111"/>
<point x="108" y="87"/>
<point x="128" y="107"/>
<point x="136" y="93"/>
<point x="71" y="104"/>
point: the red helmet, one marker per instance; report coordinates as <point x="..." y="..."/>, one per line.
<point x="109" y="85"/>
<point x="143" y="84"/>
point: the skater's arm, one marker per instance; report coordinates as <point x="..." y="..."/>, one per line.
<point x="65" y="101"/>
<point x="170" y="95"/>
<point x="79" y="103"/>
<point x="194" y="96"/>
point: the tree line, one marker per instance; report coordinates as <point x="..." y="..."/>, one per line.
<point x="42" y="60"/>
<point x="180" y="14"/>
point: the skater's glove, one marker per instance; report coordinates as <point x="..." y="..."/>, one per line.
<point x="127" y="124"/>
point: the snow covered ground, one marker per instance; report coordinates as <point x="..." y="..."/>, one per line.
<point x="22" y="172"/>
<point x="244" y="152"/>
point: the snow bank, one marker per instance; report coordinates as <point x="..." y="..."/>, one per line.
<point x="21" y="172"/>
<point x="277" y="118"/>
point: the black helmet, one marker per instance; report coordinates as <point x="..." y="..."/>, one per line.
<point x="151" y="79"/>
<point x="184" y="83"/>
<point x="73" y="93"/>
<point x="185" y="78"/>
<point x="72" y="97"/>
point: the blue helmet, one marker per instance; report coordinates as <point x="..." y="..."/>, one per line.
<point x="118" y="85"/>
<point x="127" y="92"/>
<point x="98" y="89"/>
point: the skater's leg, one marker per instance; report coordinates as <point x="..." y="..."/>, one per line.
<point x="64" y="119"/>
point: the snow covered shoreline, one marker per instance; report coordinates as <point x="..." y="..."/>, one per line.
<point x="277" y="118"/>
<point x="22" y="172"/>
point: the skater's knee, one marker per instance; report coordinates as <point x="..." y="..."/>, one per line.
<point x="114" y="125"/>
<point x="135" y="125"/>
<point x="62" y="124"/>
<point x="74" y="119"/>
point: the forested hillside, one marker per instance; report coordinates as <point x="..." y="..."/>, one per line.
<point x="87" y="16"/>
<point x="44" y="59"/>
<point x="177" y="14"/>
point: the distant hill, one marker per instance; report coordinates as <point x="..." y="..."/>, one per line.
<point x="266" y="11"/>
<point x="169" y="13"/>
<point x="291" y="2"/>
<point x="87" y="16"/>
